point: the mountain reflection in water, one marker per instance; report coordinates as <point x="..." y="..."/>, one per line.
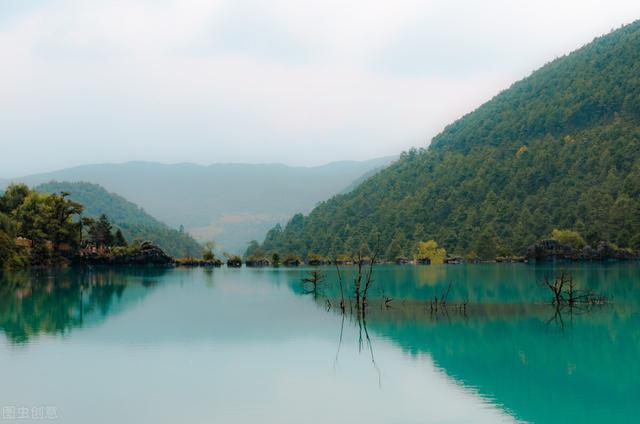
<point x="507" y="348"/>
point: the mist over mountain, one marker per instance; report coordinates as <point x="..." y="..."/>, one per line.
<point x="135" y="223"/>
<point x="230" y="203"/>
<point x="559" y="149"/>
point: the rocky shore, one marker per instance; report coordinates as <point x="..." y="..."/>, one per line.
<point x="146" y="253"/>
<point x="553" y="250"/>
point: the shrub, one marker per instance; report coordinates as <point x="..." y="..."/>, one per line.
<point x="568" y="238"/>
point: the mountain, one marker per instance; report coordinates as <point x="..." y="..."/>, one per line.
<point x="558" y="149"/>
<point x="134" y="222"/>
<point x="364" y="177"/>
<point x="231" y="203"/>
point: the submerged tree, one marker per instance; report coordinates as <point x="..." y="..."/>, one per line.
<point x="566" y="292"/>
<point x="311" y="282"/>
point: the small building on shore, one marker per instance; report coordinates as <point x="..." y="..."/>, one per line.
<point x="24" y="242"/>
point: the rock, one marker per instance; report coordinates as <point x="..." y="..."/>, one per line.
<point x="148" y="253"/>
<point x="552" y="250"/>
<point x="608" y="251"/>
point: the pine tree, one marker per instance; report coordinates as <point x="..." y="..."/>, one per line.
<point x="119" y="240"/>
<point x="100" y="232"/>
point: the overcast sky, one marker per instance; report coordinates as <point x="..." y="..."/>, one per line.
<point x="293" y="81"/>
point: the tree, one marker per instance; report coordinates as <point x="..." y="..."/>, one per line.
<point x="556" y="149"/>
<point x="119" y="240"/>
<point x="254" y="250"/>
<point x="49" y="218"/>
<point x="397" y="246"/>
<point x="208" y="254"/>
<point x="40" y="253"/>
<point x="486" y="244"/>
<point x="13" y="197"/>
<point x="568" y="238"/>
<point x="7" y="239"/>
<point x="100" y="232"/>
<point x="429" y="249"/>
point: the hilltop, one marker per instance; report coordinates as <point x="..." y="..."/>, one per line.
<point x="558" y="149"/>
<point x="231" y="203"/>
<point x="135" y="223"/>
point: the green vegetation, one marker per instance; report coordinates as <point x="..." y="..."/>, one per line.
<point x="559" y="149"/>
<point x="184" y="194"/>
<point x="48" y="225"/>
<point x="568" y="238"/>
<point x="430" y="250"/>
<point x="233" y="261"/>
<point x="208" y="254"/>
<point x="132" y="222"/>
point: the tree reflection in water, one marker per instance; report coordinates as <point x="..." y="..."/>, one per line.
<point x="55" y="302"/>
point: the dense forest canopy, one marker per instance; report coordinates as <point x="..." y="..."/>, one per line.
<point x="231" y="203"/>
<point x="48" y="224"/>
<point x="559" y="149"/>
<point x="131" y="220"/>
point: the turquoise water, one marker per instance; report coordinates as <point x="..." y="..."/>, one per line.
<point x="250" y="345"/>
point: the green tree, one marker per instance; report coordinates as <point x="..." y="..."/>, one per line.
<point x="429" y="249"/>
<point x="7" y="239"/>
<point x="13" y="197"/>
<point x="568" y="238"/>
<point x="486" y="244"/>
<point x="573" y="122"/>
<point x="397" y="247"/>
<point x="209" y="248"/>
<point x="119" y="240"/>
<point x="254" y="250"/>
<point x="100" y="232"/>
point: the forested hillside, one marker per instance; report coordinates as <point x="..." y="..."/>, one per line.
<point x="229" y="203"/>
<point x="559" y="149"/>
<point x="134" y="222"/>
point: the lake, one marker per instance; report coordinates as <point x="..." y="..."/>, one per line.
<point x="252" y="346"/>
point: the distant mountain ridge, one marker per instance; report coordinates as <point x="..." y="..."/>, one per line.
<point x="231" y="203"/>
<point x="134" y="222"/>
<point x="558" y="149"/>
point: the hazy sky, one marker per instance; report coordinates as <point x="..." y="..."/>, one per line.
<point x="293" y="81"/>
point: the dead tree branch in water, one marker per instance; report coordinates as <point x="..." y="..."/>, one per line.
<point x="567" y="296"/>
<point x="442" y="303"/>
<point x="557" y="287"/>
<point x="335" y="362"/>
<point x="565" y="292"/>
<point x="310" y="283"/>
<point x="370" y="345"/>
<point x="357" y="281"/>
<point x="370" y="274"/>
<point x="445" y="296"/>
<point x="342" y="305"/>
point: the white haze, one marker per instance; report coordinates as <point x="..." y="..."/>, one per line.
<point x="298" y="82"/>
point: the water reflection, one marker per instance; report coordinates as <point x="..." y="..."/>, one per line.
<point x="55" y="302"/>
<point x="508" y="347"/>
<point x="542" y="362"/>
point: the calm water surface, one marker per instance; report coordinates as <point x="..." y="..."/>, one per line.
<point x="249" y="346"/>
